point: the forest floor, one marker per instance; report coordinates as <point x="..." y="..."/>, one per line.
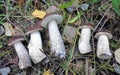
<point x="100" y="13"/>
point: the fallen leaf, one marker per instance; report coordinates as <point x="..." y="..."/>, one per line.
<point x="39" y="14"/>
<point x="1" y="45"/>
<point x="116" y="6"/>
<point x="48" y="73"/>
<point x="67" y="4"/>
<point x="53" y="8"/>
<point x="21" y="2"/>
<point x="75" y="18"/>
<point x="70" y="33"/>
<point x="8" y="29"/>
<point x="84" y="6"/>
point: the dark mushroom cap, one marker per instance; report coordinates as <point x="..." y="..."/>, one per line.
<point x="50" y="17"/>
<point x="87" y="25"/>
<point x="107" y="33"/>
<point x="33" y="29"/>
<point x="15" y="39"/>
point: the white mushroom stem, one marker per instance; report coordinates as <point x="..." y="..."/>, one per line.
<point x="103" y="50"/>
<point x="57" y="45"/>
<point x="35" y="47"/>
<point x="24" y="60"/>
<point x="84" y="41"/>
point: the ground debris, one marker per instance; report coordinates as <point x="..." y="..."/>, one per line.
<point x="116" y="68"/>
<point x="70" y="33"/>
<point x="2" y="30"/>
<point x="52" y="9"/>
<point x="4" y="71"/>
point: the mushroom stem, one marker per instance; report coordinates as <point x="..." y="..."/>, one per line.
<point x="57" y="45"/>
<point x="35" y="47"/>
<point x="84" y="41"/>
<point x="103" y="50"/>
<point x="24" y="60"/>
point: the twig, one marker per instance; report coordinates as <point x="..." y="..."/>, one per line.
<point x="101" y="20"/>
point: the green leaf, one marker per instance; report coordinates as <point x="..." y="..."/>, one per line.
<point x="75" y="18"/>
<point x="116" y="6"/>
<point x="102" y="7"/>
<point x="65" y="5"/>
<point x="1" y="45"/>
<point x="93" y="1"/>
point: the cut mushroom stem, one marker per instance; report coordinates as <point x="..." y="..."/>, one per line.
<point x="103" y="49"/>
<point x="57" y="45"/>
<point x="24" y="60"/>
<point x="84" y="41"/>
<point x="35" y="44"/>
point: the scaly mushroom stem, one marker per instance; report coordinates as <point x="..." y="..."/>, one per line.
<point x="84" y="41"/>
<point x="103" y="50"/>
<point x="24" y="60"/>
<point x="35" y="47"/>
<point x="57" y="45"/>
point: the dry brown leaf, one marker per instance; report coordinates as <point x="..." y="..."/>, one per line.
<point x="20" y="2"/>
<point x="39" y="14"/>
<point x="48" y="72"/>
<point x="70" y="33"/>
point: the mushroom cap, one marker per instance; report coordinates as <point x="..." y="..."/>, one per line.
<point x="15" y="39"/>
<point x="108" y="34"/>
<point x="50" y="17"/>
<point x="87" y="25"/>
<point x="33" y="29"/>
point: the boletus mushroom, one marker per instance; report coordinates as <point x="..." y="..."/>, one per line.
<point x="24" y="60"/>
<point x="57" y="45"/>
<point x="84" y="41"/>
<point x="103" y="49"/>
<point x="117" y="55"/>
<point x="35" y="44"/>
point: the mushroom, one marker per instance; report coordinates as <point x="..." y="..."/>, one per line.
<point x="117" y="55"/>
<point x="24" y="60"/>
<point x="35" y="44"/>
<point x="84" y="41"/>
<point x="103" y="50"/>
<point x="4" y="71"/>
<point x="57" y="45"/>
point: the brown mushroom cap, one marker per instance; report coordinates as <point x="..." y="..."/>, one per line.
<point x="15" y="39"/>
<point x="107" y="33"/>
<point x="50" y="17"/>
<point x="33" y="29"/>
<point x="87" y="25"/>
